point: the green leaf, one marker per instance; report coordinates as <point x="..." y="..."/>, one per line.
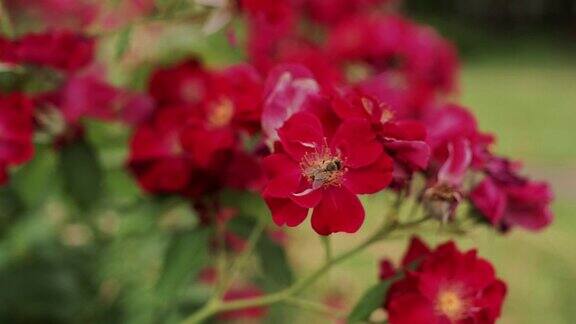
<point x="371" y="301"/>
<point x="11" y="206"/>
<point x="274" y="263"/>
<point x="123" y="42"/>
<point x="82" y="174"/>
<point x="187" y="254"/>
<point x="35" y="179"/>
<point x="247" y="203"/>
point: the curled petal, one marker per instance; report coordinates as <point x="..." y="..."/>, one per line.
<point x="454" y="169"/>
<point x="414" y="154"/>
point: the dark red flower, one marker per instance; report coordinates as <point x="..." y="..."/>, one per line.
<point x="186" y="83"/>
<point x="156" y="155"/>
<point x="16" y="131"/>
<point x="324" y="173"/>
<point x="506" y="199"/>
<point x="231" y="106"/>
<point x="196" y="131"/>
<point x="394" y="44"/>
<point x="61" y="50"/>
<point x="270" y="23"/>
<point x="458" y="147"/>
<point x="447" y="287"/>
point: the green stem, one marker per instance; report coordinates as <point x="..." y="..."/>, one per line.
<point x="221" y="256"/>
<point x="215" y="307"/>
<point x="240" y="263"/>
<point x="5" y="22"/>
<point x="315" y="307"/>
<point x="327" y="247"/>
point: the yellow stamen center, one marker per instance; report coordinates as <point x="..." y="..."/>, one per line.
<point x="451" y="304"/>
<point x="221" y="113"/>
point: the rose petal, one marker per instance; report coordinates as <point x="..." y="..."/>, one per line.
<point x="357" y="143"/>
<point x="338" y="211"/>
<point x="286" y="212"/>
<point x="283" y="175"/>
<point x="301" y="134"/>
<point x="370" y="179"/>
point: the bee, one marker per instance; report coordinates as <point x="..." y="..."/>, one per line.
<point x="333" y="165"/>
<point x="328" y="172"/>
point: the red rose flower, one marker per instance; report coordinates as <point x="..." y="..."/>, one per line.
<point x="186" y="83"/>
<point x="324" y="172"/>
<point x="156" y="155"/>
<point x="506" y="199"/>
<point x="393" y="44"/>
<point x="458" y="147"/>
<point x="233" y="105"/>
<point x="16" y="132"/>
<point x="60" y="50"/>
<point x="447" y="287"/>
<point x="191" y="144"/>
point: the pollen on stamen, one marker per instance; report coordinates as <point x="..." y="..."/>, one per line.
<point x="221" y="113"/>
<point x="452" y="304"/>
<point x="323" y="168"/>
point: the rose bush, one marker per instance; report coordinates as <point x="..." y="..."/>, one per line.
<point x="332" y="101"/>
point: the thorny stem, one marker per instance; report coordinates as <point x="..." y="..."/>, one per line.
<point x="216" y="306"/>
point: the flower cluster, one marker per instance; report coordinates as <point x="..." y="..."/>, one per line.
<point x="60" y="85"/>
<point x="193" y="142"/>
<point x="337" y="99"/>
